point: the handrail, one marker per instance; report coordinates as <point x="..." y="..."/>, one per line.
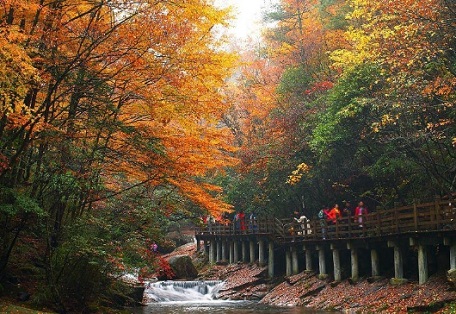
<point x="439" y="215"/>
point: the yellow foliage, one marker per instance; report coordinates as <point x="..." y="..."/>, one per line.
<point x="297" y="174"/>
<point x="157" y="65"/>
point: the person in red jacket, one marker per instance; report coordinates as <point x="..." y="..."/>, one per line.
<point x="241" y="217"/>
<point x="334" y="214"/>
<point x="360" y="214"/>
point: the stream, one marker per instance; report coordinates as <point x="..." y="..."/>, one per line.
<point x="220" y="307"/>
<point x="195" y="297"/>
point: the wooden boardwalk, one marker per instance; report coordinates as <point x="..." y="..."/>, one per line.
<point x="389" y="237"/>
<point x="437" y="216"/>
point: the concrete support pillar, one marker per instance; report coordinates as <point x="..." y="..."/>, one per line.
<point x="422" y="264"/>
<point x="252" y="251"/>
<point x="375" y="264"/>
<point x="212" y="252"/>
<point x="206" y="247"/>
<point x="236" y="251"/>
<point x="244" y="251"/>
<point x="354" y="264"/>
<point x="219" y="250"/>
<point x="453" y="256"/>
<point x="198" y="245"/>
<point x="452" y="245"/>
<point x="288" y="262"/>
<point x="321" y="260"/>
<point x="294" y="261"/>
<point x="308" y="259"/>
<point x="224" y="243"/>
<point x="231" y="247"/>
<point x="336" y="262"/>
<point x="398" y="263"/>
<point x="271" y="259"/>
<point x="261" y="252"/>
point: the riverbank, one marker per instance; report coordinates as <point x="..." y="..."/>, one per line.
<point x="306" y="289"/>
<point x="250" y="282"/>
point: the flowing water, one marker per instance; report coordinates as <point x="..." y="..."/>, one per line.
<point x="172" y="291"/>
<point x="199" y="297"/>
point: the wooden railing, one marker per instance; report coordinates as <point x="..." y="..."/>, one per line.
<point x="433" y="216"/>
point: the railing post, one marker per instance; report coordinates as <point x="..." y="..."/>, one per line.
<point x="313" y="226"/>
<point x="415" y="215"/>
<point x="432" y="210"/>
<point x="374" y="223"/>
<point x="337" y="227"/>
<point x="396" y="220"/>
<point x="437" y="212"/>
<point x="379" y="222"/>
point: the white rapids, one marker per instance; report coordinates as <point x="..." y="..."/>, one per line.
<point x="172" y="291"/>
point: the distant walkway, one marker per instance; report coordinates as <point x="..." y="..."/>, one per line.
<point x="428" y="217"/>
<point x="416" y="226"/>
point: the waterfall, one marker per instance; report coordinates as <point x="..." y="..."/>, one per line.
<point x="168" y="291"/>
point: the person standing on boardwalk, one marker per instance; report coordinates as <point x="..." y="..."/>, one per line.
<point x="322" y="216"/>
<point x="253" y="226"/>
<point x="360" y="214"/>
<point x="241" y="217"/>
<point x="347" y="211"/>
<point x="236" y="223"/>
<point x="334" y="214"/>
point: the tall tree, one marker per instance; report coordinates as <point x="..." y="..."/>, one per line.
<point x="99" y="99"/>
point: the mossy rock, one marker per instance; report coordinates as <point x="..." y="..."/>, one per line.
<point x="183" y="267"/>
<point x="451" y="276"/>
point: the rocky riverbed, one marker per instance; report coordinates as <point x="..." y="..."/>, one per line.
<point x="249" y="281"/>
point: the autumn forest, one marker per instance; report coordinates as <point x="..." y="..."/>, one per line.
<point x="120" y="118"/>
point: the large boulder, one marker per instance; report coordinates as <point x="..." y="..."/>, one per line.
<point x="183" y="267"/>
<point x="451" y="276"/>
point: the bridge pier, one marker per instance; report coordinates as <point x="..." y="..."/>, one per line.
<point x="288" y="271"/>
<point x="294" y="261"/>
<point x="219" y="250"/>
<point x="206" y="247"/>
<point x="231" y="244"/>
<point x="308" y="253"/>
<point x="252" y="251"/>
<point x="198" y="245"/>
<point x="423" y="274"/>
<point x="212" y="252"/>
<point x="321" y="261"/>
<point x="244" y="251"/>
<point x="224" y="243"/>
<point x="271" y="259"/>
<point x="375" y="264"/>
<point x="336" y="262"/>
<point x="261" y="252"/>
<point x="421" y="244"/>
<point x="452" y="245"/>
<point x="354" y="261"/>
<point x="236" y="251"/>
<point x="398" y="262"/>
<point x="453" y="256"/>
